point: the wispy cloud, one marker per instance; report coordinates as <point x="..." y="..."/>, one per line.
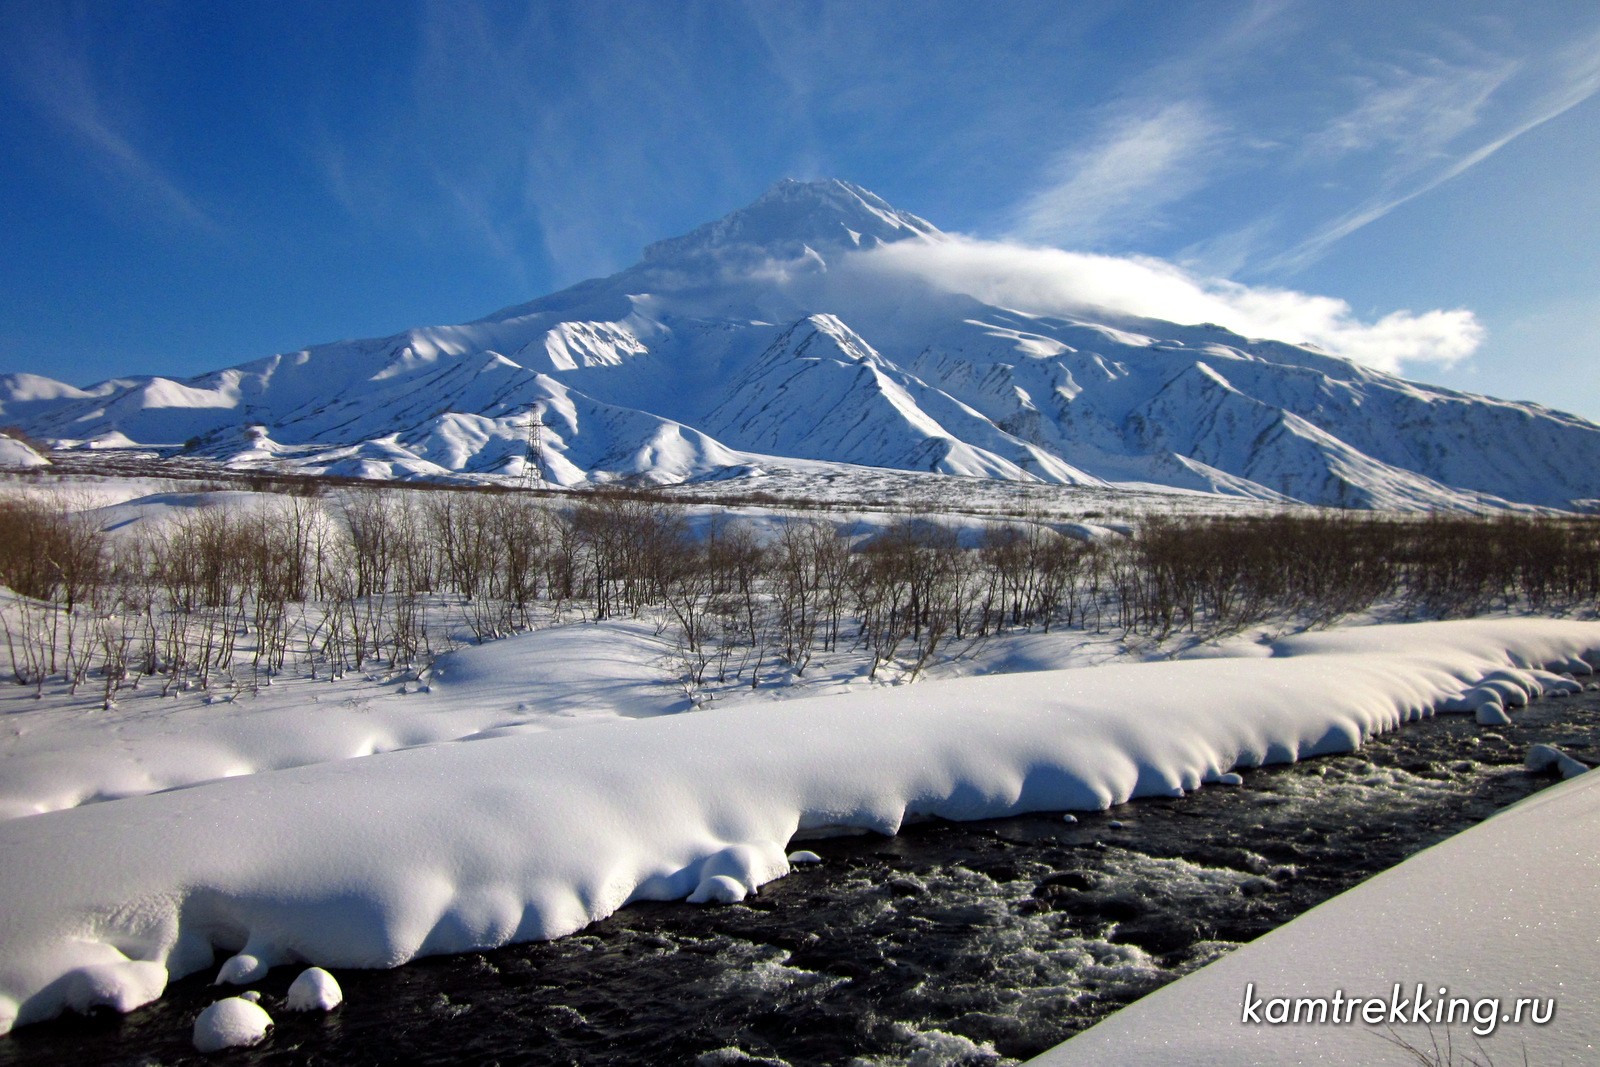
<point x="1413" y="113"/>
<point x="1120" y="181"/>
<point x="1159" y="139"/>
<point x="541" y="150"/>
<point x="1051" y="281"/>
<point x="53" y="73"/>
<point x="1431" y="126"/>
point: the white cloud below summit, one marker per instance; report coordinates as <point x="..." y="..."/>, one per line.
<point x="1053" y="281"/>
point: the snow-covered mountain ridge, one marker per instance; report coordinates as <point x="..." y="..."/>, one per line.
<point x="764" y="334"/>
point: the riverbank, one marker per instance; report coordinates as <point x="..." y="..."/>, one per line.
<point x="969" y="943"/>
<point x="370" y="861"/>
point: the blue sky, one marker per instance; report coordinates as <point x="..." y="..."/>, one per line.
<point x="189" y="185"/>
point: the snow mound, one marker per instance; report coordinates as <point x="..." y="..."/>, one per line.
<point x="719" y="889"/>
<point x="1542" y="758"/>
<point x="240" y="970"/>
<point x="231" y="1023"/>
<point x="314" y="990"/>
<point x="444" y="848"/>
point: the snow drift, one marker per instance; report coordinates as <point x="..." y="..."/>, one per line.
<point x="372" y="861"/>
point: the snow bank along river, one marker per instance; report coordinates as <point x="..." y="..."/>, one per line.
<point x="984" y="941"/>
<point x="372" y="861"/>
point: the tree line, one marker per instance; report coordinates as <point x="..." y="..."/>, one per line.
<point x="387" y="578"/>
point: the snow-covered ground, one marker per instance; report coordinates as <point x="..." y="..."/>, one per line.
<point x="375" y="834"/>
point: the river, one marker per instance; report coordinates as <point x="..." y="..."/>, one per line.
<point x="952" y="943"/>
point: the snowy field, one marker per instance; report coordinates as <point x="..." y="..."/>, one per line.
<point x="447" y="846"/>
<point x="523" y="788"/>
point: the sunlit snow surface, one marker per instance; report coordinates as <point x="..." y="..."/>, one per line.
<point x="447" y="847"/>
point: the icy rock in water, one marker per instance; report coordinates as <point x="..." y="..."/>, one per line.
<point x="1230" y="779"/>
<point x="718" y="889"/>
<point x="1490" y="713"/>
<point x="1548" y="757"/>
<point x="314" y="990"/>
<point x="231" y="1023"/>
<point x="1069" y="817"/>
<point x="240" y="970"/>
<point x="804" y="856"/>
<point x="253" y="996"/>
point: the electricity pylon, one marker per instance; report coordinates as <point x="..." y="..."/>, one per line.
<point x="533" y="463"/>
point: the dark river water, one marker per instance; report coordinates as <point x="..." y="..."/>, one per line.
<point x="953" y="943"/>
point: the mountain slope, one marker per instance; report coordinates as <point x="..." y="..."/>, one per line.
<point x="761" y="334"/>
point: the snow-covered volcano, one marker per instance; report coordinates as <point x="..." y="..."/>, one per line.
<point x="763" y="335"/>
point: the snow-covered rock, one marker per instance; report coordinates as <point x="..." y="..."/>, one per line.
<point x="719" y="889"/>
<point x="314" y="990"/>
<point x="240" y="970"/>
<point x="1543" y="758"/>
<point x="231" y="1023"/>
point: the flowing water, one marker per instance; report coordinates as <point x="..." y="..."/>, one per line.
<point x="953" y="943"/>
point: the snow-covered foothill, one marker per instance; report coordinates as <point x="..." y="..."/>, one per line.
<point x="1502" y="911"/>
<point x="313" y="990"/>
<point x="231" y="1023"/>
<point x="449" y="847"/>
<point x="15" y="453"/>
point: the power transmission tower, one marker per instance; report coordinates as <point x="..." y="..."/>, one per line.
<point x="533" y="464"/>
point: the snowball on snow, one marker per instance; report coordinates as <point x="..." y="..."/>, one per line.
<point x="804" y="856"/>
<point x="240" y="970"/>
<point x="231" y="1023"/>
<point x="314" y="990"/>
<point x="718" y="889"/>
